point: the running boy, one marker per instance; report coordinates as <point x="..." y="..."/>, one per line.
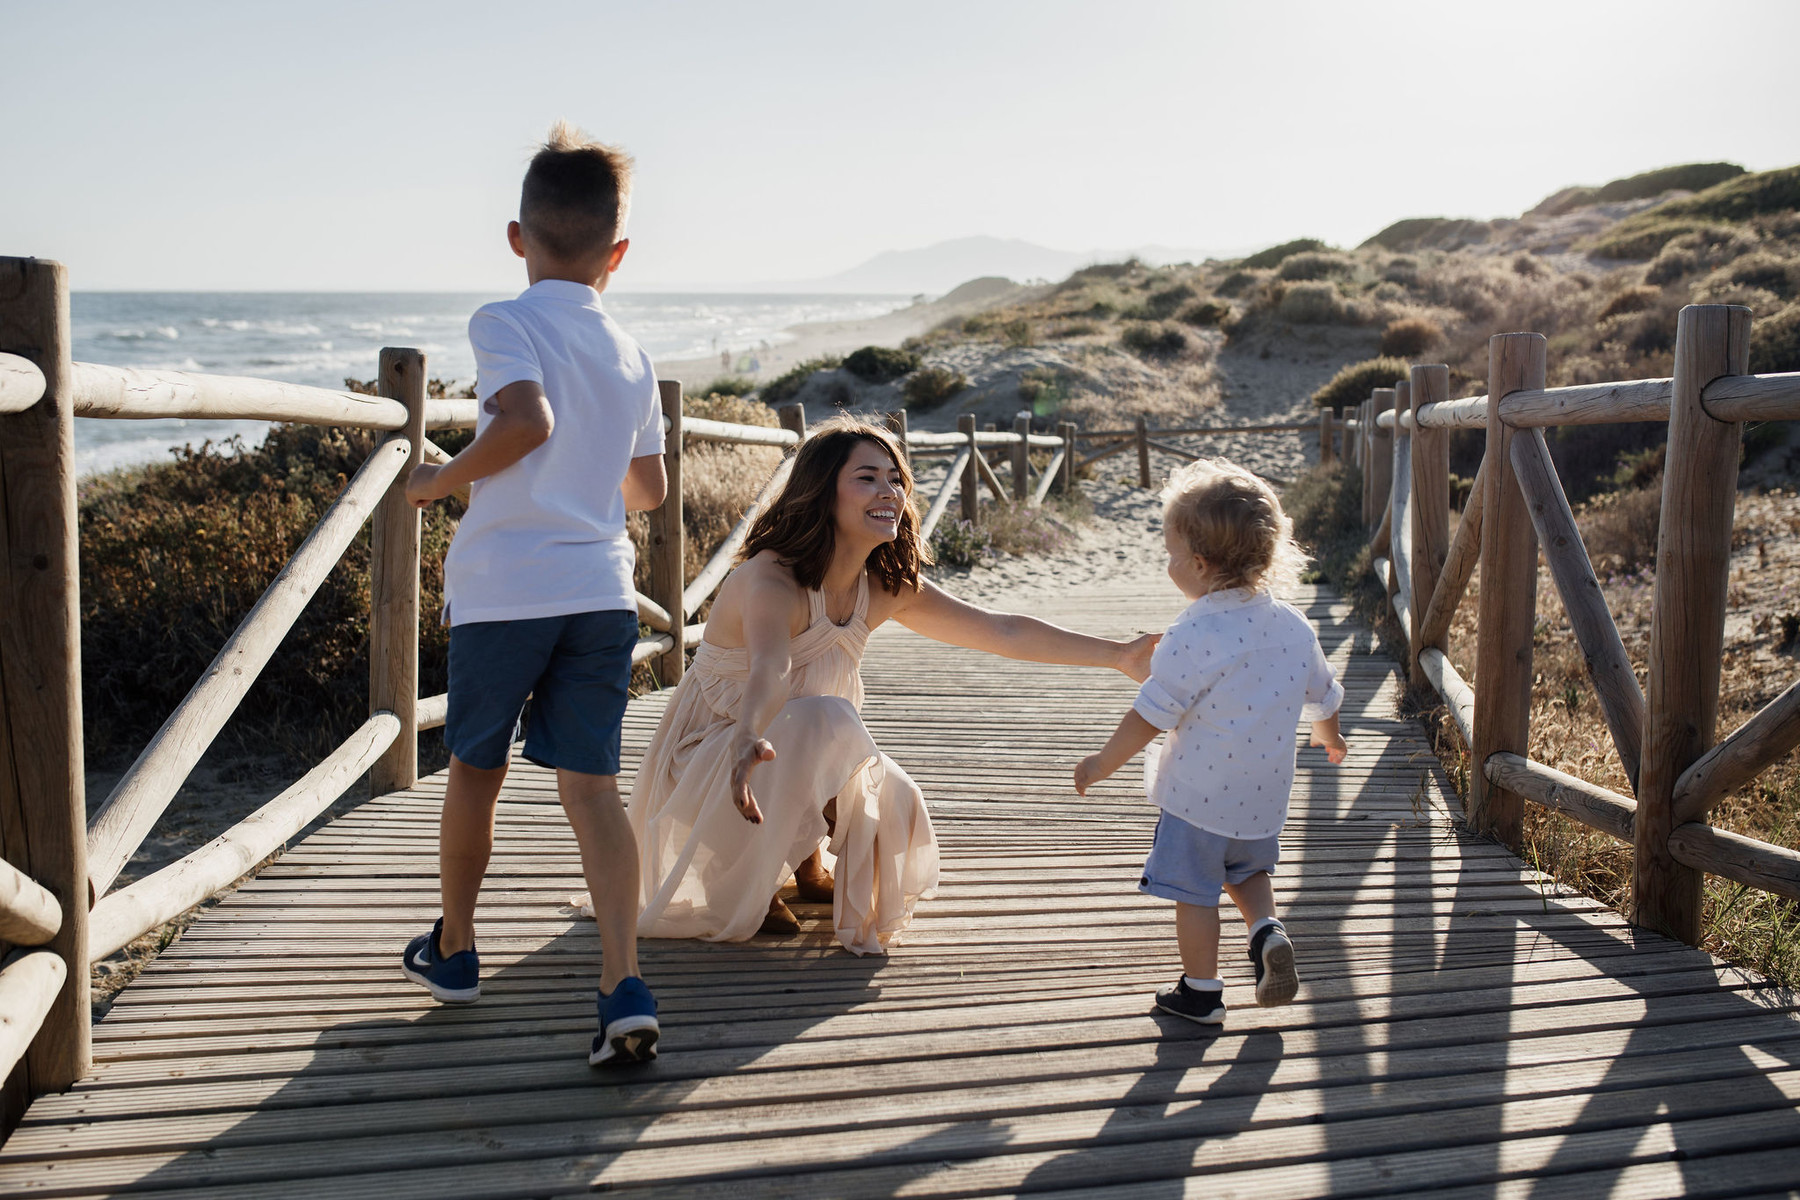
<point x="537" y="583"/>
<point x="1230" y="679"/>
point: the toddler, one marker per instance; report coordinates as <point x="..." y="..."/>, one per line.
<point x="1229" y="681"/>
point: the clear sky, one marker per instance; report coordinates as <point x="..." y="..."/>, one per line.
<point x="378" y="146"/>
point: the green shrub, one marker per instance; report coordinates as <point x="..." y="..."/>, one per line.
<point x="1166" y="302"/>
<point x="879" y="364"/>
<point x="1311" y="304"/>
<point x="1018" y="333"/>
<point x="1413" y="232"/>
<point x="960" y="544"/>
<point x="929" y="387"/>
<point x="1739" y="199"/>
<point x="1205" y="313"/>
<point x="1691" y="177"/>
<point x="1272" y="257"/>
<point x="1325" y="504"/>
<point x="785" y="387"/>
<point x="1313" y="264"/>
<point x="1632" y="238"/>
<point x="1690" y="253"/>
<point x="1041" y="390"/>
<point x="1153" y="338"/>
<point x="1235" y="283"/>
<point x="1775" y="343"/>
<point x="1410" y="337"/>
<point x="724" y="406"/>
<point x="1070" y="329"/>
<point x="1769" y="272"/>
<point x="729" y="385"/>
<point x="1631" y="300"/>
<point x="1353" y="383"/>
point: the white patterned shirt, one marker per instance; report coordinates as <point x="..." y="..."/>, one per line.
<point x="1230" y="680"/>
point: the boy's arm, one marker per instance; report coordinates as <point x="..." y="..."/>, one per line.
<point x="1325" y="733"/>
<point x="522" y="422"/>
<point x="1132" y="735"/>
<point x="646" y="483"/>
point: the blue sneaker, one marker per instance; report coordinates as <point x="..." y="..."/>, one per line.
<point x="628" y="1028"/>
<point x="453" y="980"/>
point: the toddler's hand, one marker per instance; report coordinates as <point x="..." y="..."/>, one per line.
<point x="422" y="485"/>
<point x="1335" y="746"/>
<point x="1088" y="772"/>
<point x="1134" y="656"/>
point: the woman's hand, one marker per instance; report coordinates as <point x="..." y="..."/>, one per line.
<point x="747" y="751"/>
<point x="1134" y="656"/>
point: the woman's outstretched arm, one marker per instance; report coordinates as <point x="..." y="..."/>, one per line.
<point x="940" y="616"/>
<point x="767" y="604"/>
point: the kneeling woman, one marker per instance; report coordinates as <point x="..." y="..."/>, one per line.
<point x="762" y="755"/>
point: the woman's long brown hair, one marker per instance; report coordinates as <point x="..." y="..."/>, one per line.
<point x="800" y="525"/>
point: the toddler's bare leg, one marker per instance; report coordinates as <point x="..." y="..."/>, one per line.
<point x="465" y="841"/>
<point x="1197" y="933"/>
<point x="609" y="860"/>
<point x="1255" y="898"/>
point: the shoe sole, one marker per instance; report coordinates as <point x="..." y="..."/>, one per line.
<point x="440" y="993"/>
<point x="628" y="1040"/>
<point x="1217" y="1017"/>
<point x="1279" y="983"/>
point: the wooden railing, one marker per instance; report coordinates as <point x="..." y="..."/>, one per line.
<point x="1664" y="733"/>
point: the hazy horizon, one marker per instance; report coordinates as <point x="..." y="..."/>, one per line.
<point x="215" y="147"/>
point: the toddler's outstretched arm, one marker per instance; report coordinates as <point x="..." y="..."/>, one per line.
<point x="1325" y="733"/>
<point x="1132" y="735"/>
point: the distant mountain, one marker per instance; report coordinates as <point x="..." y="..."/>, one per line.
<point x="938" y="268"/>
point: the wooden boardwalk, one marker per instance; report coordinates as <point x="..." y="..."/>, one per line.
<point x="1462" y="1030"/>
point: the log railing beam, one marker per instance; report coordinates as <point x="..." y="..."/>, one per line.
<point x="1728" y="766"/>
<point x="42" y="798"/>
<point x="1428" y="502"/>
<point x="1687" y="627"/>
<point x="29" y="914"/>
<point x="1508" y="602"/>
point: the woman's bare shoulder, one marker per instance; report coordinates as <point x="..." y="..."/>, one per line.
<point x="760" y="580"/>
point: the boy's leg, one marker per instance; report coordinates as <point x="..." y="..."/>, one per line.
<point x="465" y="842"/>
<point x="1197" y="934"/>
<point x="1271" y="951"/>
<point x="1255" y="898"/>
<point x="609" y="862"/>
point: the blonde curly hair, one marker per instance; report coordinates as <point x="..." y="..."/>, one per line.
<point x="1233" y="520"/>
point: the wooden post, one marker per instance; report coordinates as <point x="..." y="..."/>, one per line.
<point x="1508" y="606"/>
<point x="971" y="480"/>
<point x="1381" y="457"/>
<point x="1066" y="431"/>
<point x="1687" y="625"/>
<point x="1429" y="504"/>
<point x="896" y="425"/>
<point x="1021" y="458"/>
<point x="1143" y="449"/>
<point x="43" y="807"/>
<point x="793" y="418"/>
<point x="668" y="543"/>
<point x="1324" y="435"/>
<point x="394" y="585"/>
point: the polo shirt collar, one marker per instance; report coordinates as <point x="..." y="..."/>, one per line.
<point x="563" y="289"/>
<point x="1228" y="599"/>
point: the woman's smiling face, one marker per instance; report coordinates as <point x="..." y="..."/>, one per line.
<point x="870" y="491"/>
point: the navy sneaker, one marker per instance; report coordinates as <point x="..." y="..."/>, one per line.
<point x="453" y="980"/>
<point x="628" y="1028"/>
<point x="1272" y="954"/>
<point x="1205" y="1008"/>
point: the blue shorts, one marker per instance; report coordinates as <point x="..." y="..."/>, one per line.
<point x="1191" y="866"/>
<point x="575" y="669"/>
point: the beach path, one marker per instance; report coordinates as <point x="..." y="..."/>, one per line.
<point x="1462" y="1029"/>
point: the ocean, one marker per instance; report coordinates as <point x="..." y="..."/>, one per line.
<point x="323" y="338"/>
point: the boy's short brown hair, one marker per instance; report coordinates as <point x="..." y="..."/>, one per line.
<point x="576" y="194"/>
<point x="1233" y="520"/>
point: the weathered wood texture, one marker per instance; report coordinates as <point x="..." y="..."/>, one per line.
<point x="668" y="542"/>
<point x="1429" y="503"/>
<point x="42" y="794"/>
<point x="1507" y="607"/>
<point x="1687" y="627"/>
<point x="1459" y="565"/>
<point x="21" y="383"/>
<point x="1460" y="1023"/>
<point x="394" y="584"/>
<point x="29" y="914"/>
<point x="971" y="472"/>
<point x="1609" y="668"/>
<point x="1381" y="456"/>
<point x="1758" y="742"/>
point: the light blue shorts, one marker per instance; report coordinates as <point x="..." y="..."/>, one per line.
<point x="1191" y="866"/>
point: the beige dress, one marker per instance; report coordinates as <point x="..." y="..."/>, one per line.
<point x="707" y="872"/>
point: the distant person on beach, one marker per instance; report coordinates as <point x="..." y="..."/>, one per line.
<point x="538" y="581"/>
<point x="1231" y="678"/>
<point x="762" y="755"/>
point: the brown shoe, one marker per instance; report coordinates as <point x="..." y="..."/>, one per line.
<point x="781" y="918"/>
<point x="817" y="888"/>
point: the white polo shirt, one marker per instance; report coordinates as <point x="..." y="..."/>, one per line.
<point x="1230" y="681"/>
<point x="546" y="536"/>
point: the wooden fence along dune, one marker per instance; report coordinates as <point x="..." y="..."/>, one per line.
<point x="60" y="912"/>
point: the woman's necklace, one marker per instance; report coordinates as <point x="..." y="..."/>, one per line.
<point x="835" y="602"/>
